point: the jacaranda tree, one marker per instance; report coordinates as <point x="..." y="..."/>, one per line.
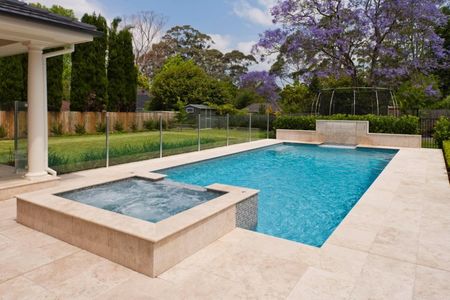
<point x="262" y="83"/>
<point x="378" y="41"/>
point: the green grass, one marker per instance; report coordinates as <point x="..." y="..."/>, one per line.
<point x="73" y="153"/>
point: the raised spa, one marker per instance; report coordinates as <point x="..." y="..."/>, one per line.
<point x="142" y="198"/>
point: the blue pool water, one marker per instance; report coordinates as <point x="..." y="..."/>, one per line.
<point x="141" y="198"/>
<point x="305" y="190"/>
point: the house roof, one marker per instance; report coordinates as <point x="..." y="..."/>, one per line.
<point x="199" y="106"/>
<point x="22" y="10"/>
<point x="255" y="107"/>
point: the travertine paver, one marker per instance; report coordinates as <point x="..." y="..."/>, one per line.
<point x="394" y="244"/>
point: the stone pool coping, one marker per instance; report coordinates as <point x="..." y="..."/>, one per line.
<point x="403" y="224"/>
<point x="153" y="232"/>
<point x="146" y="247"/>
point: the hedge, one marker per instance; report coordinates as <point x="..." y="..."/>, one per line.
<point x="446" y="148"/>
<point x="442" y="130"/>
<point x="377" y="124"/>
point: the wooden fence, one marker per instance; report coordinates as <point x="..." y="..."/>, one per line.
<point x="69" y="119"/>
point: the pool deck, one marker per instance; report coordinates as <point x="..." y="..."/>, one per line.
<point x="394" y="244"/>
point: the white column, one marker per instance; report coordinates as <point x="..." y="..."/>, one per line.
<point x="37" y="113"/>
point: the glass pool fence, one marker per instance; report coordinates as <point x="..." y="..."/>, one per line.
<point x="153" y="138"/>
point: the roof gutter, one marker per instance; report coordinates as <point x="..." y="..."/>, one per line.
<point x="67" y="50"/>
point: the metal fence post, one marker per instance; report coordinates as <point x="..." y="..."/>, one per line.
<point x="228" y="129"/>
<point x="107" y="138"/>
<point x="250" y="127"/>
<point x="268" y="124"/>
<point x="160" y="137"/>
<point x="198" y="132"/>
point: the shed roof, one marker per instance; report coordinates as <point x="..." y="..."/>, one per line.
<point x="200" y="106"/>
<point x="18" y="9"/>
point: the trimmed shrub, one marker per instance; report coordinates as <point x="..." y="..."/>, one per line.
<point x="134" y="127"/>
<point x="446" y="149"/>
<point x="118" y="126"/>
<point x="3" y="132"/>
<point x="150" y="125"/>
<point x="377" y="124"/>
<point x="80" y="129"/>
<point x="57" y="129"/>
<point x="100" y="127"/>
<point x="442" y="131"/>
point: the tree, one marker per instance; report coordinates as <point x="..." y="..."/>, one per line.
<point x="444" y="71"/>
<point x="418" y="92"/>
<point x="122" y="74"/>
<point x="188" y="42"/>
<point x="378" y="40"/>
<point x="262" y="83"/>
<point x="296" y="98"/>
<point x="89" y="80"/>
<point x="245" y="97"/>
<point x="236" y="64"/>
<point x="182" y="80"/>
<point x="146" y="27"/>
<point x="13" y="83"/>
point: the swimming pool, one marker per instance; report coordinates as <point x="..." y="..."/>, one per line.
<point x="305" y="190"/>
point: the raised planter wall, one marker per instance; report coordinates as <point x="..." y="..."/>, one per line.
<point x="349" y="133"/>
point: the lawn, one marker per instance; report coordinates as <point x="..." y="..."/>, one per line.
<point x="73" y="153"/>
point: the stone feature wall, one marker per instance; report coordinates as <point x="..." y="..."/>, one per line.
<point x="349" y="133"/>
<point x="247" y="213"/>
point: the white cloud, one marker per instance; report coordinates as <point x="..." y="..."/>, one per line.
<point x="80" y="7"/>
<point x="258" y="13"/>
<point x="221" y="42"/>
<point x="245" y="47"/>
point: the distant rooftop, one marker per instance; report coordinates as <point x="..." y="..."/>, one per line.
<point x="199" y="106"/>
<point x="18" y="9"/>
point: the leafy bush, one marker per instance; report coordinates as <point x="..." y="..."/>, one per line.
<point x="57" y="129"/>
<point x="377" y="124"/>
<point x="118" y="126"/>
<point x="100" y="127"/>
<point x="134" y="127"/>
<point x="442" y="130"/>
<point x="446" y="149"/>
<point x="3" y="132"/>
<point x="150" y="125"/>
<point x="80" y="129"/>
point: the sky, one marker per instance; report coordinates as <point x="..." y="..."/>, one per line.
<point x="233" y="24"/>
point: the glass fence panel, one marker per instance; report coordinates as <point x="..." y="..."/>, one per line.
<point x="7" y="141"/>
<point x="259" y="126"/>
<point x="137" y="140"/>
<point x="75" y="152"/>
<point x="180" y="135"/>
<point x="214" y="134"/>
<point x="239" y="129"/>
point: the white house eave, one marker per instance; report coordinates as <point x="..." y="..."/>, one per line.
<point x="23" y="32"/>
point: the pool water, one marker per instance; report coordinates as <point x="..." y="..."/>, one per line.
<point x="141" y="198"/>
<point x="305" y="190"/>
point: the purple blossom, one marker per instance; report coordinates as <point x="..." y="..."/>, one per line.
<point x="263" y="83"/>
<point x="431" y="92"/>
<point x="380" y="40"/>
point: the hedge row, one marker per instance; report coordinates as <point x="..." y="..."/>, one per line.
<point x="377" y="124"/>
<point x="446" y="149"/>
